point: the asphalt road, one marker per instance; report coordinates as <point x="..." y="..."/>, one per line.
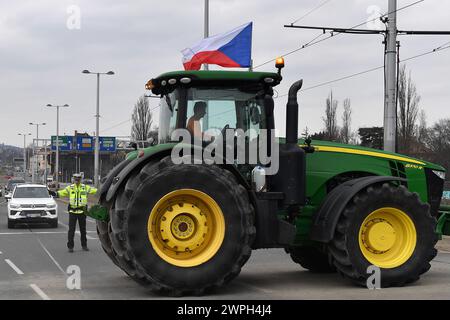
<point x="34" y="262"/>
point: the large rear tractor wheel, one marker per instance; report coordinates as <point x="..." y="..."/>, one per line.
<point x="182" y="229"/>
<point x="103" y="235"/>
<point x="312" y="258"/>
<point x="388" y="227"/>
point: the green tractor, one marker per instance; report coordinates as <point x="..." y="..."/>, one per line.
<point x="188" y="228"/>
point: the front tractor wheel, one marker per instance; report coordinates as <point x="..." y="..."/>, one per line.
<point x="388" y="227"/>
<point x="182" y="229"/>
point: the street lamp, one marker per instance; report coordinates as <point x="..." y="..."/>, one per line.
<point x="97" y="125"/>
<point x="37" y="144"/>
<point x="57" y="138"/>
<point x="24" y="153"/>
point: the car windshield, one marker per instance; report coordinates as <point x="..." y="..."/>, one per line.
<point x="31" y="192"/>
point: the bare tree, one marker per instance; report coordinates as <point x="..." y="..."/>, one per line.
<point x="438" y="141"/>
<point x="346" y="130"/>
<point x="141" y="120"/>
<point x="422" y="131"/>
<point x="408" y="110"/>
<point x="330" y="119"/>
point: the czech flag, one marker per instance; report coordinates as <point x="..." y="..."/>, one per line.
<point x="230" y="49"/>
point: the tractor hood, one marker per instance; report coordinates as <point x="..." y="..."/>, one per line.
<point x="320" y="146"/>
<point x="327" y="146"/>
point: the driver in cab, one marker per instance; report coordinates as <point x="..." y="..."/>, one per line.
<point x="194" y="127"/>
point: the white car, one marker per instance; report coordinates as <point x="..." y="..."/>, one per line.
<point x="31" y="203"/>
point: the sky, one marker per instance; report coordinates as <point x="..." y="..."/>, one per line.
<point x="45" y="44"/>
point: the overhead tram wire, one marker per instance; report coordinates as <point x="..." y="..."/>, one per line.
<point x="442" y="47"/>
<point x="311" y="11"/>
<point x="125" y="121"/>
<point x="312" y="42"/>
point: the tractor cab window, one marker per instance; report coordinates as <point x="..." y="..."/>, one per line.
<point x="205" y="111"/>
<point x="168" y="116"/>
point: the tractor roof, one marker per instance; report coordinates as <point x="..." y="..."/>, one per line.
<point x="167" y="81"/>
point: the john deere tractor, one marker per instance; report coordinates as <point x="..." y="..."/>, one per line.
<point x="187" y="228"/>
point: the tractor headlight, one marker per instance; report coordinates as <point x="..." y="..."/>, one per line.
<point x="440" y="174"/>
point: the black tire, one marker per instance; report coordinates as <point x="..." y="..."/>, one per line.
<point x="103" y="235"/>
<point x="344" y="247"/>
<point x="131" y="211"/>
<point x="11" y="224"/>
<point x="312" y="258"/>
<point x="54" y="223"/>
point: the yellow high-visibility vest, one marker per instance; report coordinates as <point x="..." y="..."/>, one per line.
<point x="77" y="196"/>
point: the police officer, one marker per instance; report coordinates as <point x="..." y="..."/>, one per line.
<point x="77" y="193"/>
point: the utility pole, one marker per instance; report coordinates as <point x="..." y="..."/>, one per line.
<point x="97" y="127"/>
<point x="206" y="26"/>
<point x="24" y="153"/>
<point x="390" y="40"/>
<point x="57" y="140"/>
<point x="390" y="105"/>
<point x="35" y="162"/>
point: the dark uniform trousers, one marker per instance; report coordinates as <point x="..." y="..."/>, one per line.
<point x="73" y="218"/>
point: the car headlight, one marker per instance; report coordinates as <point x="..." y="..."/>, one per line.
<point x="14" y="206"/>
<point x="51" y="206"/>
<point x="440" y="174"/>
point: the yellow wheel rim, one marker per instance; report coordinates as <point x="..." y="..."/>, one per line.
<point x="186" y="227"/>
<point x="387" y="237"/>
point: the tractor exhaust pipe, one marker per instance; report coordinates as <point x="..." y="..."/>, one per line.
<point x="292" y="113"/>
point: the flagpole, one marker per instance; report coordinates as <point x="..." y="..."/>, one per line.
<point x="206" y="26"/>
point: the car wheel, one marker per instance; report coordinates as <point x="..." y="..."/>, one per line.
<point x="11" y="224"/>
<point x="54" y="223"/>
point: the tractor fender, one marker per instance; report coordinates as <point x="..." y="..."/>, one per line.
<point x="107" y="181"/>
<point x="118" y="178"/>
<point x="327" y="216"/>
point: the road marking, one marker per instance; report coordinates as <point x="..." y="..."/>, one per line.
<point x="78" y="232"/>
<point x="38" y="232"/>
<point x="1" y="252"/>
<point x="443" y="251"/>
<point x="51" y="257"/>
<point x="39" y="292"/>
<point x="13" y="266"/>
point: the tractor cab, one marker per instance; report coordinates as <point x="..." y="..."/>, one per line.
<point x="208" y="102"/>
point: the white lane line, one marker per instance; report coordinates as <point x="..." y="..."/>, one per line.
<point x="78" y="232"/>
<point x="51" y="257"/>
<point x="1" y="252"/>
<point x="91" y="220"/>
<point x="39" y="292"/>
<point x="13" y="266"/>
<point x="443" y="251"/>
<point x="38" y="232"/>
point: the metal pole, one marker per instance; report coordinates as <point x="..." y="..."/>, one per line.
<point x="206" y="26"/>
<point x="97" y="145"/>
<point x="46" y="163"/>
<point x="390" y="112"/>
<point x="57" y="147"/>
<point x="24" y="156"/>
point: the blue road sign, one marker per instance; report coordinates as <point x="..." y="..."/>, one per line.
<point x="107" y="144"/>
<point x="85" y="143"/>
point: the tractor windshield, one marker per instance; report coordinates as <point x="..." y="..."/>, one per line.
<point x="207" y="111"/>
